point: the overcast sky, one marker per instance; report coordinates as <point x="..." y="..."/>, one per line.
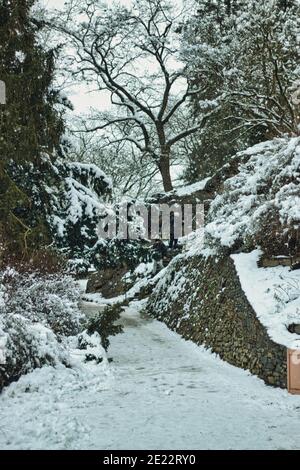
<point x="82" y="97"/>
<point x="59" y="3"/>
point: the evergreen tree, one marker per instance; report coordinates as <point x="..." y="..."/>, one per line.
<point x="245" y="55"/>
<point x="30" y="128"/>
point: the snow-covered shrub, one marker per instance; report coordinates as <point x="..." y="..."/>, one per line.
<point x="260" y="205"/>
<point x="91" y="346"/>
<point x="37" y="313"/>
<point x="25" y="345"/>
<point x="116" y="253"/>
<point x="103" y="323"/>
<point x="143" y="270"/>
<point x="66" y="202"/>
<point x="78" y="266"/>
<point x="77" y="206"/>
<point x="49" y="299"/>
<point x="287" y="291"/>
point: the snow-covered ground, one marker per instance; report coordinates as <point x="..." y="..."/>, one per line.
<point x="274" y="294"/>
<point x="191" y="188"/>
<point x="160" y="392"/>
<point x="143" y="270"/>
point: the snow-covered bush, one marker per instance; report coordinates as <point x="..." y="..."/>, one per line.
<point x="245" y="56"/>
<point x="288" y="290"/>
<point x="78" y="266"/>
<point x="67" y="202"/>
<point x="49" y="299"/>
<point x="37" y="312"/>
<point x="77" y="206"/>
<point x="116" y="253"/>
<point x="91" y="348"/>
<point x="25" y="345"/>
<point x="106" y="254"/>
<point x="260" y="205"/>
<point x="103" y="324"/>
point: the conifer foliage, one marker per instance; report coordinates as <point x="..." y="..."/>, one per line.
<point x="245" y="55"/>
<point x="30" y="127"/>
<point x="44" y="197"/>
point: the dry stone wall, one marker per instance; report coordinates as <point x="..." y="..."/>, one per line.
<point x="202" y="299"/>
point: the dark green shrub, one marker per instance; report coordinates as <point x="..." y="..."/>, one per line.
<point x="103" y="323"/>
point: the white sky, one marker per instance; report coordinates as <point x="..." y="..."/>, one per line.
<point x="81" y="96"/>
<point x="84" y="99"/>
<point x="59" y="4"/>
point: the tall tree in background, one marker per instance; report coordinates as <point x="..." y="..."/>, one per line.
<point x="249" y="51"/>
<point x="133" y="54"/>
<point x="131" y="175"/>
<point x="30" y="128"/>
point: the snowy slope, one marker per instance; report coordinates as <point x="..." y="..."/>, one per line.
<point x="265" y="190"/>
<point x="183" y="191"/>
<point x="274" y="294"/>
<point x="159" y="393"/>
<point x="144" y="270"/>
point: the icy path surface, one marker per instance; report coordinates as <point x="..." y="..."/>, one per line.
<point x="160" y="393"/>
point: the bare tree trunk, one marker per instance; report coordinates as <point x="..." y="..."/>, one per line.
<point x="164" y="168"/>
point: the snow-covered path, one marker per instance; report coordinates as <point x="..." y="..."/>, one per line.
<point x="160" y="392"/>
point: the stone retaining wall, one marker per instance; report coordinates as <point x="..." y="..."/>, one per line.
<point x="202" y="300"/>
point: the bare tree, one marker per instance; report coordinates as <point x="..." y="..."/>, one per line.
<point x="131" y="175"/>
<point x="133" y="53"/>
